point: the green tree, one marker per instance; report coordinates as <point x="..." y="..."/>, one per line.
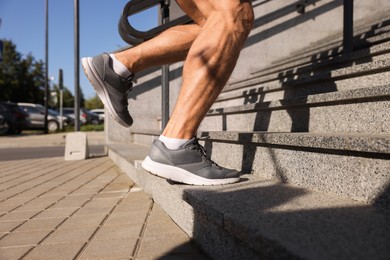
<point x="21" y="78"/>
<point x="68" y="98"/>
<point x="93" y="103"/>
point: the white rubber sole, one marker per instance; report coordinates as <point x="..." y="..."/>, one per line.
<point x="180" y="175"/>
<point x="101" y="91"/>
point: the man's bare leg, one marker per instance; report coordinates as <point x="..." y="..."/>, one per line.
<point x="210" y="61"/>
<point x="169" y="47"/>
<point x="208" y="65"/>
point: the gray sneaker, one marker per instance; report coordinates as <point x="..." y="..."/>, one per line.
<point x="111" y="88"/>
<point x="189" y="164"/>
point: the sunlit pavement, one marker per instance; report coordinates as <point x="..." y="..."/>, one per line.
<point x="88" y="209"/>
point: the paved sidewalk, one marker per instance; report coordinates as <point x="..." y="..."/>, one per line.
<point x="56" y="209"/>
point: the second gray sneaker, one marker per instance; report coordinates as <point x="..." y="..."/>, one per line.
<point x="110" y="87"/>
<point x="189" y="164"/>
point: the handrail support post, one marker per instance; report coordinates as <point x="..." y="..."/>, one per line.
<point x="348" y="26"/>
<point x="165" y="73"/>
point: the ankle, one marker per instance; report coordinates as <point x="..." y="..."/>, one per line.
<point x="172" y="143"/>
<point x="126" y="59"/>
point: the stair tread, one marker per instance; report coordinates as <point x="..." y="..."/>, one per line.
<point x="305" y="223"/>
<point x="307" y="64"/>
<point x="365" y="68"/>
<point x="378" y="143"/>
<point x="271" y="218"/>
<point x="329" y="97"/>
<point x="329" y="49"/>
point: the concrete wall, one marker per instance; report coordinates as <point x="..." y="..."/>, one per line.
<point x="278" y="31"/>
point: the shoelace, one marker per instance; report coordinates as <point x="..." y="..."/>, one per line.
<point x="128" y="82"/>
<point x="199" y="148"/>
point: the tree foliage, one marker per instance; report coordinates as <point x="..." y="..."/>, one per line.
<point x="21" y="78"/>
<point x="93" y="103"/>
<point x="67" y="97"/>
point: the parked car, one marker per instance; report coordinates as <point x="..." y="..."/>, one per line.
<point x="3" y="125"/>
<point x="67" y="120"/>
<point x="99" y="112"/>
<point x="37" y="117"/>
<point x="86" y="116"/>
<point x="14" y="118"/>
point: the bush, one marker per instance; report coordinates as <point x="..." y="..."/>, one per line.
<point x="84" y="128"/>
<point x="87" y="128"/>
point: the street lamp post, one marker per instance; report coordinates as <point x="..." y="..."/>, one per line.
<point x="61" y="88"/>
<point x="76" y="67"/>
<point x="46" y="61"/>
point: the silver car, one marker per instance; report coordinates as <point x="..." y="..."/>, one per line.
<point x="37" y="117"/>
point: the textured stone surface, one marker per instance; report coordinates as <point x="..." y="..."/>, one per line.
<point x="331" y="112"/>
<point x="77" y="210"/>
<point x="349" y="165"/>
<point x="264" y="218"/>
<point x="305" y="223"/>
<point x="302" y="60"/>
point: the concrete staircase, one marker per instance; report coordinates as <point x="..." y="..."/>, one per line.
<point x="311" y="132"/>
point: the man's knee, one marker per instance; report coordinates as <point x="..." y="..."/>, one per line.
<point x="247" y="15"/>
<point x="239" y="17"/>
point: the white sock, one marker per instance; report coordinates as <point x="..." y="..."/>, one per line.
<point x="119" y="68"/>
<point x="172" y="143"/>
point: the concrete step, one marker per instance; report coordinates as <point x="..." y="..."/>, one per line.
<point x="364" y="28"/>
<point x="351" y="165"/>
<point x="263" y="218"/>
<point x="377" y="20"/>
<point x="362" y="39"/>
<point x="358" y="76"/>
<point x="308" y="65"/>
<point x="329" y="52"/>
<point x="376" y="64"/>
<point x="310" y="160"/>
<point x="363" y="110"/>
<point x="333" y="46"/>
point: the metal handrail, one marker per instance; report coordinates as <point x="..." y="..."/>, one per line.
<point x="133" y="36"/>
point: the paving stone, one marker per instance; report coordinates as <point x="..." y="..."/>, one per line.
<point x="70" y="235"/>
<point x="38" y="204"/>
<point x="103" y="203"/>
<point x="93" y="210"/>
<point x="106" y="195"/>
<point x="19" y="215"/>
<point x="164" y="239"/>
<point x="79" y="221"/>
<point x="73" y="201"/>
<point x="126" y="218"/>
<point x="12" y="202"/>
<point x="110" y="249"/>
<point x="122" y="183"/>
<point x="119" y="232"/>
<point x="55" y="251"/>
<point x="157" y="247"/>
<point x="7" y="226"/>
<point x="161" y="225"/>
<point x="11" y="253"/>
<point x="135" y="201"/>
<point x="105" y="214"/>
<point x="56" y="213"/>
<point x="40" y="224"/>
<point x="23" y="238"/>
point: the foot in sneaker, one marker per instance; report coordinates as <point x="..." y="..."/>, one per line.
<point x="111" y="88"/>
<point x="189" y="164"/>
